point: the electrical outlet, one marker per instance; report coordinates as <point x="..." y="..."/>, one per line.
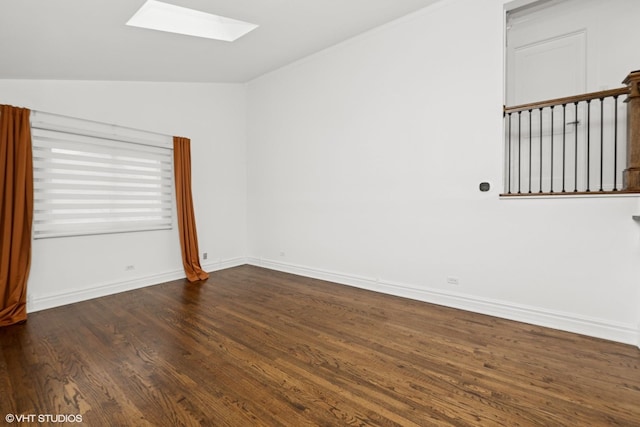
<point x="130" y="267"/>
<point x="205" y="255"/>
<point x="453" y="281"/>
<point x="281" y="253"/>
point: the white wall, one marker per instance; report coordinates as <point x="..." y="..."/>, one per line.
<point x="214" y="117"/>
<point x="363" y="167"/>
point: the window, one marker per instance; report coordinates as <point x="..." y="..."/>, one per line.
<point x="94" y="178"/>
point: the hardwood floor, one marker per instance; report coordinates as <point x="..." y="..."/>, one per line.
<point x="257" y="347"/>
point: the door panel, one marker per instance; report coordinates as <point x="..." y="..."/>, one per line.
<point x="546" y="62"/>
<point x="547" y="69"/>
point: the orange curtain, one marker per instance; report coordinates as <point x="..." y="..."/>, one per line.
<point x="186" y="218"/>
<point x="16" y="212"/>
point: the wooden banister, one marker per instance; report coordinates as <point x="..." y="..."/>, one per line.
<point x="632" y="172"/>
<point x="568" y="99"/>
<point x="595" y="148"/>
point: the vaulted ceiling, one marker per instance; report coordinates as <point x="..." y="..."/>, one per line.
<point x="88" y="39"/>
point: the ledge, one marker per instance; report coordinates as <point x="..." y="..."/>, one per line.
<point x="567" y="194"/>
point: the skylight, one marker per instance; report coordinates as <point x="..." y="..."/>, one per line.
<point x="156" y="15"/>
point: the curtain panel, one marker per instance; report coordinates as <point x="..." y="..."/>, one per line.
<point x="186" y="217"/>
<point x="16" y="212"/>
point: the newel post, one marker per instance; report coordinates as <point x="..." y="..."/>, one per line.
<point x="632" y="172"/>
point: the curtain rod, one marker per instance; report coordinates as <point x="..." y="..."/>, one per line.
<point x="102" y="123"/>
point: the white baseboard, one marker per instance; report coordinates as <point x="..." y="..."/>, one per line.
<point x="223" y="264"/>
<point x="627" y="334"/>
<point x="43" y="302"/>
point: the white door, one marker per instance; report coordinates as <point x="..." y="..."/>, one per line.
<point x="546" y="59"/>
<point x="541" y="66"/>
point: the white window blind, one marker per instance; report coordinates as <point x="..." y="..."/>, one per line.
<point x="88" y="181"/>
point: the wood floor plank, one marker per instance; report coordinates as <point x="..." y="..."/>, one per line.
<point x="255" y="347"/>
